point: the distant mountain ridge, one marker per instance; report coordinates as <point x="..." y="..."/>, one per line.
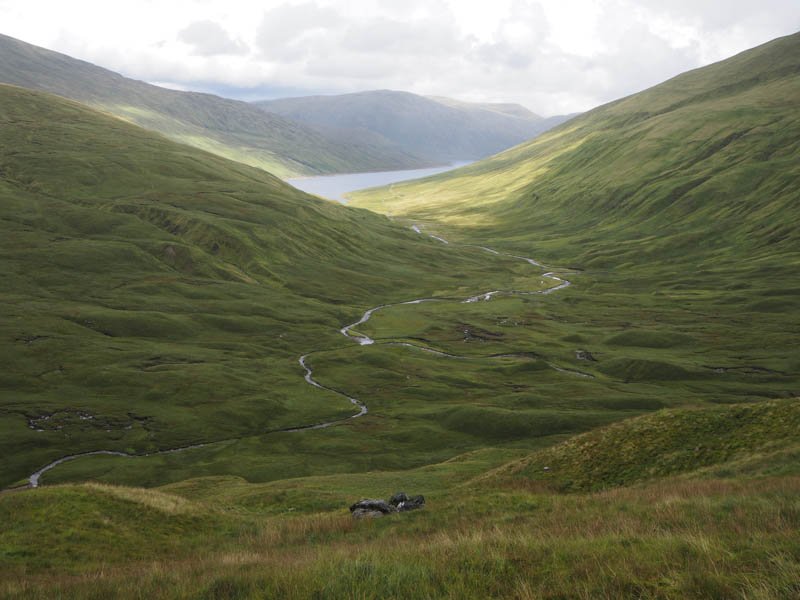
<point x="442" y="129"/>
<point x="504" y="108"/>
<point x="230" y="128"/>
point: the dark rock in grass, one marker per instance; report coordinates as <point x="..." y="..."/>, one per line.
<point x="400" y="502"/>
<point x="398" y="499"/>
<point x="584" y="355"/>
<point x="379" y="505"/>
<point x="412" y="503"/>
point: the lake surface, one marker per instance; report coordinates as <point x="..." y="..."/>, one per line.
<point x="335" y="186"/>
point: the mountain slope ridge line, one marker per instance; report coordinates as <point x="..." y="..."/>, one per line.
<point x="363" y="340"/>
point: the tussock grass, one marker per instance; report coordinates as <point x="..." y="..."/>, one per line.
<point x="665" y="443"/>
<point x="672" y="539"/>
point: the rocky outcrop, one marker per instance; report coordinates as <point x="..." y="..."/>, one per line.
<point x="403" y="502"/>
<point x="584" y="355"/>
<point x="400" y="502"/>
<point x="366" y="508"/>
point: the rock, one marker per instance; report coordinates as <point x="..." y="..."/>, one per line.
<point x="378" y="504"/>
<point x="412" y="503"/>
<point x="400" y="502"/>
<point x="584" y="355"/>
<point x="363" y="513"/>
<point x="398" y="499"/>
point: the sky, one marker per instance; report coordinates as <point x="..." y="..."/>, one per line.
<point x="552" y="56"/>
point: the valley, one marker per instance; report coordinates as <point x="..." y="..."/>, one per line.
<point x="350" y="333"/>
<point x="581" y="350"/>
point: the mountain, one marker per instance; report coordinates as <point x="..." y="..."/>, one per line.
<point x="229" y="128"/>
<point x="702" y="165"/>
<point x="439" y="128"/>
<point x="503" y="108"/>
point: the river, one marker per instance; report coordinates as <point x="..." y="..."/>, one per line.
<point x="363" y="339"/>
<point x="334" y="187"/>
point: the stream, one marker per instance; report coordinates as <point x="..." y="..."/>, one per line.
<point x="362" y="339"/>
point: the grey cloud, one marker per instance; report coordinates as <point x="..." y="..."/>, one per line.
<point x="418" y="46"/>
<point x="414" y="38"/>
<point x="716" y="16"/>
<point x="210" y="39"/>
<point x="292" y="32"/>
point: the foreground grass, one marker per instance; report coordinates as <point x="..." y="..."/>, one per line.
<point x="674" y="539"/>
<point x="725" y="524"/>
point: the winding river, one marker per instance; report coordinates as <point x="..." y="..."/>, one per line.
<point x="363" y="339"/>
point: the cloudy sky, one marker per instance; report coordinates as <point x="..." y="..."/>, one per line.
<point x="553" y="56"/>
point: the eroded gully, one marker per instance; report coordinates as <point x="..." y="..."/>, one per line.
<point x="364" y="340"/>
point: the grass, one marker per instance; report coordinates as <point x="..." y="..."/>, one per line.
<point x="668" y="443"/>
<point x="673" y="539"/>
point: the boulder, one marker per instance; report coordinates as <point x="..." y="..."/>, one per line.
<point x="379" y="505"/>
<point x="398" y="499"/>
<point x="412" y="503"/>
<point x="369" y="509"/>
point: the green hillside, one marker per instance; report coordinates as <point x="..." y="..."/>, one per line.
<point x="439" y="128"/>
<point x="703" y="166"/>
<point x="158" y="296"/>
<point x="740" y="440"/>
<point x="232" y="129"/>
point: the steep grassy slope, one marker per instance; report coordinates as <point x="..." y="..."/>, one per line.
<point x="441" y="129"/>
<point x="704" y="535"/>
<point x="702" y="167"/>
<point x="229" y="128"/>
<point x="738" y="440"/>
<point x="156" y="295"/>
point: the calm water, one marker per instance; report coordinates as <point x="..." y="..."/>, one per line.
<point x="335" y="186"/>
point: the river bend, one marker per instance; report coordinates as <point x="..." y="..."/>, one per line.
<point x="363" y="339"/>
